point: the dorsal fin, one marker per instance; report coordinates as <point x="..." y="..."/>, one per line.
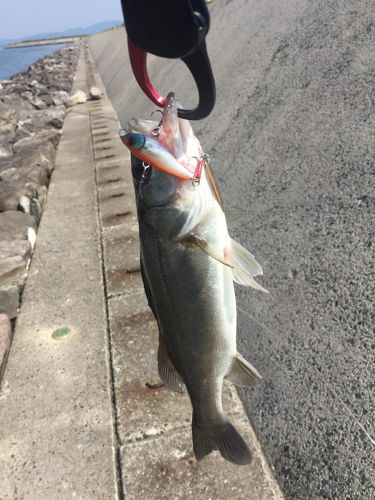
<point x="213" y="185"/>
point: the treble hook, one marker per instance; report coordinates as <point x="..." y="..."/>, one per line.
<point x="142" y="179"/>
<point x="156" y="131"/>
<point x="201" y="162"/>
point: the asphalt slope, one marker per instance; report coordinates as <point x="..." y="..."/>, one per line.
<point x="292" y="143"/>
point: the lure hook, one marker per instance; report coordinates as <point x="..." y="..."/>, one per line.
<point x="156" y="130"/>
<point x="202" y="161"/>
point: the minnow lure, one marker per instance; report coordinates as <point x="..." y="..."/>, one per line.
<point x="152" y="152"/>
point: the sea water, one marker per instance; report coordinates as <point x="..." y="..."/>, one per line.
<point x="17" y="60"/>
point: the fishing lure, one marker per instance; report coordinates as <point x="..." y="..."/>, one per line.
<point x="152" y="152"/>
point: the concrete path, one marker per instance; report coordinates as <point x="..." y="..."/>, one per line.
<point x="56" y="434"/>
<point x="77" y="420"/>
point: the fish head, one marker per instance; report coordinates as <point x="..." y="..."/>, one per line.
<point x="154" y="188"/>
<point x="172" y="132"/>
<point x="182" y="204"/>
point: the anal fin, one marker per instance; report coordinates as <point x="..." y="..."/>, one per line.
<point x="167" y="372"/>
<point x="242" y="373"/>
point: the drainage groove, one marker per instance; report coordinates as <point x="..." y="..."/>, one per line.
<point x="116" y="435"/>
<point x="105" y="157"/>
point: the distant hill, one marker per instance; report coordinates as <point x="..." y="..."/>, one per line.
<point x="88" y="30"/>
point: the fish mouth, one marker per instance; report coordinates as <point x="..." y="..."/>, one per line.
<point x="170" y="110"/>
<point x="140" y="126"/>
<point x="169" y="119"/>
<point x="172" y="132"/>
<point x="169" y="124"/>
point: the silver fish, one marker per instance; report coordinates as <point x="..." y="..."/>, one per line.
<point x="188" y="264"/>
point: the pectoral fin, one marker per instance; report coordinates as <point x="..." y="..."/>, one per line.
<point x="242" y="262"/>
<point x="167" y="372"/>
<point x="242" y="373"/>
<point x="244" y="266"/>
<point x="208" y="249"/>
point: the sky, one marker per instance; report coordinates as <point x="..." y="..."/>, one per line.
<point x="19" y="18"/>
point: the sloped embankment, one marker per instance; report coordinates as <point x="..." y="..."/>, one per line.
<point x="291" y="141"/>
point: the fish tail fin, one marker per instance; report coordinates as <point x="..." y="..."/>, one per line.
<point x="223" y="437"/>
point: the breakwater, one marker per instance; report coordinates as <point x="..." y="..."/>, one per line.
<point x="32" y="110"/>
<point x="47" y="41"/>
<point x="18" y="60"/>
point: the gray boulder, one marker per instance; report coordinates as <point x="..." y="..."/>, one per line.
<point x="5" y="150"/>
<point x="8" y="116"/>
<point x="56" y="122"/>
<point x="6" y="126"/>
<point x="24" y="204"/>
<point x="11" y="193"/>
<point x="12" y="269"/>
<point x="38" y="103"/>
<point x="9" y="301"/>
<point x="36" y="140"/>
<point x="42" y="196"/>
<point x="60" y="98"/>
<point x="27" y="95"/>
<point x="43" y="118"/>
<point x="39" y="156"/>
<point x="95" y="94"/>
<point x="12" y="248"/>
<point x="47" y="98"/>
<point x="39" y="149"/>
<point x="32" y="177"/>
<point x="20" y="132"/>
<point x="31" y="121"/>
<point x="35" y="208"/>
<point x="14" y="225"/>
<point x="78" y="97"/>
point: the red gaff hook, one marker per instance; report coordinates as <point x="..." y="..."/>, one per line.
<point x="138" y="61"/>
<point x="199" y="66"/>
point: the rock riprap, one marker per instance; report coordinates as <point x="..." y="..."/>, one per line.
<point x="32" y="110"/>
<point x="5" y="339"/>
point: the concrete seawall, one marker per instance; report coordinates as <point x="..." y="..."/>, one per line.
<point x="78" y="419"/>
<point x="291" y="141"/>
